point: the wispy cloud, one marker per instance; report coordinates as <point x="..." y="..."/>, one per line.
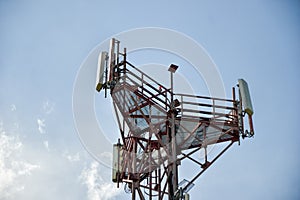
<point x="70" y="157"/>
<point x="13" y="107"/>
<point x="48" y="107"/>
<point x="46" y="145"/>
<point x="12" y="167"/>
<point x="41" y="125"/>
<point x="97" y="187"/>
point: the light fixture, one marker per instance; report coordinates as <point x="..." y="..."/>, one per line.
<point x="173" y="68"/>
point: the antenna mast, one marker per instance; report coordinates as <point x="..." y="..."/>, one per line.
<point x="160" y="129"/>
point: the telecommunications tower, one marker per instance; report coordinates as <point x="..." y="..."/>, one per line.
<point x="161" y="129"/>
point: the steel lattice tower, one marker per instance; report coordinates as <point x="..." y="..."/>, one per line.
<point x="159" y="129"/>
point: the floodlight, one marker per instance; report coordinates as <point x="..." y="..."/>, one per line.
<point x="173" y="68"/>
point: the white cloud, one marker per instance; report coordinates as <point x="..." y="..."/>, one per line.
<point x="48" y="107"/>
<point x="97" y="187"/>
<point x="12" y="167"/>
<point x="25" y="164"/>
<point x="72" y="158"/>
<point x="13" y="107"/>
<point x="41" y="125"/>
<point x="46" y="145"/>
<point x="25" y="168"/>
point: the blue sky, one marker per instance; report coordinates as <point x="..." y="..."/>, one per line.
<point x="43" y="44"/>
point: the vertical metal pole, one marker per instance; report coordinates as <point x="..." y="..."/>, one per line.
<point x="150" y="186"/>
<point x="159" y="181"/>
<point x="142" y="83"/>
<point x="235" y="110"/>
<point x="234" y="102"/>
<point x="240" y="113"/>
<point x="106" y="82"/>
<point x="181" y="106"/>
<point x="118" y="53"/>
<point x="125" y="57"/>
<point x="233" y="93"/>
<point x="171" y="87"/>
<point x="118" y="168"/>
<point x="133" y="190"/>
<point x="134" y="167"/>
<point x="205" y="147"/>
<point x="134" y="152"/>
<point x="173" y="167"/>
<point x="214" y="109"/>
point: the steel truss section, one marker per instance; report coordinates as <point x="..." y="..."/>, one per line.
<point x="161" y="130"/>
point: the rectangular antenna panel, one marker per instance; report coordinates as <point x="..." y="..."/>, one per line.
<point x="111" y="60"/>
<point x="245" y="95"/>
<point x="117" y="159"/>
<point x="100" y="70"/>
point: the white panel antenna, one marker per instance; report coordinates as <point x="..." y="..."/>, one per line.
<point x="246" y="99"/>
<point x="117" y="160"/>
<point x="100" y="70"/>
